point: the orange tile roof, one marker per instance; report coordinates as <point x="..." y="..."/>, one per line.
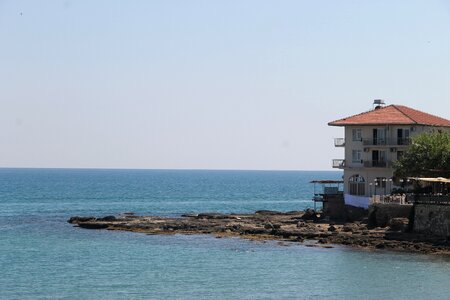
<point x="393" y="114"/>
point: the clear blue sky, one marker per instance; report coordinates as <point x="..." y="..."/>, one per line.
<point x="208" y="84"/>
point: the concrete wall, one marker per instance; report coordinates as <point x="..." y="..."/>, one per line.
<point x="334" y="207"/>
<point x="380" y="214"/>
<point x="432" y="219"/>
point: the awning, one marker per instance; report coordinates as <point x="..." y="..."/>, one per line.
<point x="327" y="181"/>
<point x="431" y="179"/>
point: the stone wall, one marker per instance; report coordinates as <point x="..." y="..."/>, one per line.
<point x="380" y="213"/>
<point x="334" y="207"/>
<point x="432" y="219"/>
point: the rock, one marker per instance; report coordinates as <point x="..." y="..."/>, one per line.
<point x="380" y="246"/>
<point x="89" y="225"/>
<point x="75" y="220"/>
<point x="107" y="218"/>
<point x="268" y="212"/>
<point x="349" y="228"/>
<point x="310" y="214"/>
<point x="332" y="228"/>
<point x="398" y="224"/>
<point x="190" y="215"/>
<point x="212" y="216"/>
<point x="272" y="226"/>
<point x="301" y="224"/>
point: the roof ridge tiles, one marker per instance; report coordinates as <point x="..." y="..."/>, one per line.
<point x="392" y="114"/>
<point x="397" y="108"/>
<point x="355" y="115"/>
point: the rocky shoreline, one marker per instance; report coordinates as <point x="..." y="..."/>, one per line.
<point x="297" y="226"/>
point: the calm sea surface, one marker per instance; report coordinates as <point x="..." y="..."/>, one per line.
<point x="44" y="257"/>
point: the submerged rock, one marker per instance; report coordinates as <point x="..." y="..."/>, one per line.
<point x="77" y="219"/>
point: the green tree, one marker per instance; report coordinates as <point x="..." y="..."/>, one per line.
<point x="427" y="156"/>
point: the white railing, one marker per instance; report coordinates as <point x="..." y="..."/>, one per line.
<point x="339" y="142"/>
<point x="338" y="163"/>
<point x="389" y="199"/>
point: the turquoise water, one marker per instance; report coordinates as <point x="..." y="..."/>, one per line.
<point x="44" y="257"/>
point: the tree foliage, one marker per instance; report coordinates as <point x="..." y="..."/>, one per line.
<point x="427" y="156"/>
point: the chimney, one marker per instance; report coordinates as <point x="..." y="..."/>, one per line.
<point x="378" y="103"/>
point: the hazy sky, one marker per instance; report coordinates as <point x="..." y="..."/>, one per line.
<point x="209" y="84"/>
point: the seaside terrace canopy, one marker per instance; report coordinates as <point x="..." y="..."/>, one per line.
<point x="430" y="179"/>
<point x="329" y="186"/>
<point x="439" y="189"/>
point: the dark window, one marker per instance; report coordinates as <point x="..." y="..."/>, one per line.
<point x="357" y="185"/>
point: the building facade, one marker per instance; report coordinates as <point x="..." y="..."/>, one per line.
<point x="372" y="142"/>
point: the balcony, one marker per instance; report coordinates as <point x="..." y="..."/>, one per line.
<point x="403" y="142"/>
<point x="377" y="164"/>
<point x="375" y="142"/>
<point x="387" y="142"/>
<point x="339" y="142"/>
<point x="338" y="163"/>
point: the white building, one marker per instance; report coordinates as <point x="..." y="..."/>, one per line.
<point x="373" y="141"/>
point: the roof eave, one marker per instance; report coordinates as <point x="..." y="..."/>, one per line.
<point x="378" y="124"/>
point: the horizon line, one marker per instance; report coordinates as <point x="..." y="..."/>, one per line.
<point x="166" y="169"/>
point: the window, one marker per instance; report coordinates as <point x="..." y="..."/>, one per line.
<point x="356" y="135"/>
<point x="357" y="185"/>
<point x="356" y="156"/>
<point x="403" y="136"/>
<point x="379" y="136"/>
<point x="379" y="158"/>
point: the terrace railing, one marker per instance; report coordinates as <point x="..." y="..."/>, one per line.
<point x="338" y="163"/>
<point x="339" y="142"/>
<point x="430" y="199"/>
<point x="390" y="199"/>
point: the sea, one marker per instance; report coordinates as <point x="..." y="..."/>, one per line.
<point x="44" y="257"/>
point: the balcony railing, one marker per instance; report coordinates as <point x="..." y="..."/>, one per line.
<point x="339" y="142"/>
<point x="338" y="163"/>
<point x="375" y="142"/>
<point x="376" y="163"/>
<point x="387" y="142"/>
<point x="405" y="141"/>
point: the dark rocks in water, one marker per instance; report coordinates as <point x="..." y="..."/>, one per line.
<point x="107" y="218"/>
<point x="380" y="246"/>
<point x="310" y="214"/>
<point x="190" y="215"/>
<point x="398" y="224"/>
<point x="89" y="225"/>
<point x="77" y="219"/>
<point x="212" y="216"/>
<point x="268" y="212"/>
<point x="273" y="225"/>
